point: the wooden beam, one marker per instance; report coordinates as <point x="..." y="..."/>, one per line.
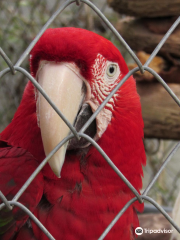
<point x="160" y="112"/>
<point x="142" y="35"/>
<point x="146" y="8"/>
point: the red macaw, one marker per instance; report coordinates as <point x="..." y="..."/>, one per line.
<point x="77" y="69"/>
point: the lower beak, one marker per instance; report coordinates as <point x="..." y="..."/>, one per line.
<point x="63" y="85"/>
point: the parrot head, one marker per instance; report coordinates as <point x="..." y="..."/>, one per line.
<point x="77" y="69"/>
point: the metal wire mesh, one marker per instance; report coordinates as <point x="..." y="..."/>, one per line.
<point x="13" y="69"/>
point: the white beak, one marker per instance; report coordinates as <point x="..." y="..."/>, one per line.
<point x="63" y="84"/>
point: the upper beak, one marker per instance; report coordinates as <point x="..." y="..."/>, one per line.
<point x="63" y="84"/>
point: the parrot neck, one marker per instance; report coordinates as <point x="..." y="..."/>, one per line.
<point x="123" y="143"/>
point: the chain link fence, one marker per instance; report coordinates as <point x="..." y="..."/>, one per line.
<point x="14" y="68"/>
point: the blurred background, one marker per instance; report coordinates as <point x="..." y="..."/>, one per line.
<point x="142" y="25"/>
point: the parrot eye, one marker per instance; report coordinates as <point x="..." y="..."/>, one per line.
<point x="111" y="70"/>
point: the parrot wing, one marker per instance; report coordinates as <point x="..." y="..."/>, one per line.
<point x="16" y="166"/>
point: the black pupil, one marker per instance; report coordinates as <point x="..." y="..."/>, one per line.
<point x="111" y="69"/>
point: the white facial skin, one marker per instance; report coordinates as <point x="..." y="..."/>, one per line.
<point x="106" y="76"/>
